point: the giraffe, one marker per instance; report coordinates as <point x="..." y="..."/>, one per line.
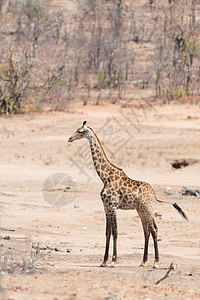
<point x="121" y="192"/>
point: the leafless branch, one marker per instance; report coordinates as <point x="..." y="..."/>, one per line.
<point x="168" y="273"/>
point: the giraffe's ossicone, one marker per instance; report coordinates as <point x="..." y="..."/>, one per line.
<point x="121" y="192"/>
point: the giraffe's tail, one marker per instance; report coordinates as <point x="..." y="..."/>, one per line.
<point x="180" y="211"/>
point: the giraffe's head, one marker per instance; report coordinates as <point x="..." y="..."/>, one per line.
<point x="80" y="133"/>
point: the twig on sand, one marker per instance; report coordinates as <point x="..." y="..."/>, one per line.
<point x="169" y="273"/>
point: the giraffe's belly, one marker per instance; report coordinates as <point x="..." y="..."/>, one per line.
<point x="128" y="204"/>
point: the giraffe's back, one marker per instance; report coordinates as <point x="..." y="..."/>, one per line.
<point x="135" y="194"/>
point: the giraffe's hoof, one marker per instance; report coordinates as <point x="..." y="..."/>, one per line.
<point x="112" y="265"/>
<point x="142" y="264"/>
<point x="103" y="265"/>
<point x="155" y="266"/>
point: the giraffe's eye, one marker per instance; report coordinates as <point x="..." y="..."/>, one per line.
<point x="80" y="131"/>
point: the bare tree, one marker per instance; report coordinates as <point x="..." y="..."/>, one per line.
<point x="47" y="57"/>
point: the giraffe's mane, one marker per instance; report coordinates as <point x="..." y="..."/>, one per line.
<point x="104" y="151"/>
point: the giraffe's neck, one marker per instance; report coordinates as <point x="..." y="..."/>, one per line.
<point x="101" y="163"/>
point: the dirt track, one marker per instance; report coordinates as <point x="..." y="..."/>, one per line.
<point x="145" y="143"/>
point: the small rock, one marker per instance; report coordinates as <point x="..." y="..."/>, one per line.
<point x="158" y="215"/>
<point x="169" y="193"/>
<point x="110" y="298"/>
<point x="57" y="249"/>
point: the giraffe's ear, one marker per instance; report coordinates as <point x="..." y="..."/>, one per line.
<point x="84" y="125"/>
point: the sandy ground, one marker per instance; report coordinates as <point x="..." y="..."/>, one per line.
<point x="51" y="247"/>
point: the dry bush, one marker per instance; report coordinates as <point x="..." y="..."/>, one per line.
<point x="48" y="56"/>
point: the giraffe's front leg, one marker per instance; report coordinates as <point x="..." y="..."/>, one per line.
<point x="114" y="234"/>
<point x="108" y="234"/>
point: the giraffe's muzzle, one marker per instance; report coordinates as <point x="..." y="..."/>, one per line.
<point x="70" y="139"/>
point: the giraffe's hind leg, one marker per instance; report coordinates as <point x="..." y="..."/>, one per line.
<point x="146" y="242"/>
<point x="154" y="233"/>
<point x="149" y="227"/>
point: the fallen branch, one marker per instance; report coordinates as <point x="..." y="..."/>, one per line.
<point x="169" y="273"/>
<point x="7" y="229"/>
<point x="189" y="191"/>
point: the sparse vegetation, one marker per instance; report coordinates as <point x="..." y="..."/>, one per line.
<point x="49" y="56"/>
<point x="22" y="262"/>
